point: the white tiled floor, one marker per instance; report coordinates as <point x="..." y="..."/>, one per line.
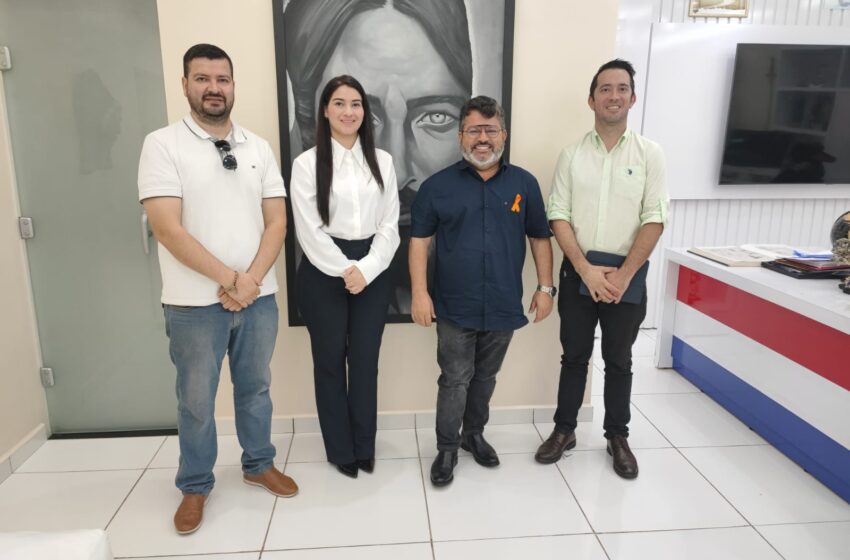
<point x="708" y="488"/>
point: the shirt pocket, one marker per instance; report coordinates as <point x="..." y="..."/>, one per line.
<point x="630" y="182"/>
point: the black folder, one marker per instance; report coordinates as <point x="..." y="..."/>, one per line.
<point x="634" y="293"/>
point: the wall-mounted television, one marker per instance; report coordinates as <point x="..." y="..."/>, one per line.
<point x="789" y="116"/>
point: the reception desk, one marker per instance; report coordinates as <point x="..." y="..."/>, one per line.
<point x="773" y="350"/>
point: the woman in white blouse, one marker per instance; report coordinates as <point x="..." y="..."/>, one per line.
<point x="345" y="205"/>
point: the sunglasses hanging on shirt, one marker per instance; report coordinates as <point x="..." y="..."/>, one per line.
<point x="228" y="160"/>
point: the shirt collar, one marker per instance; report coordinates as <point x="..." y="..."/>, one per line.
<point x="236" y="132"/>
<point x="599" y="143"/>
<point x="339" y="152"/>
<point x="463" y="164"/>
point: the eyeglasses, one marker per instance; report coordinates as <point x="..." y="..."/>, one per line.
<point x="490" y="131"/>
<point x="228" y="160"/>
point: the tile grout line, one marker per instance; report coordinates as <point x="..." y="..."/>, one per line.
<point x="277" y="499"/>
<point x="424" y="490"/>
<point x="679" y="451"/>
<point x="581" y="509"/>
<point x="728" y="501"/>
<point x="124" y="501"/>
<point x="770" y="544"/>
<point x="139" y="479"/>
<point x="722" y="495"/>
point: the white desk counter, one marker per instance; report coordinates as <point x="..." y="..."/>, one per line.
<point x="773" y="350"/>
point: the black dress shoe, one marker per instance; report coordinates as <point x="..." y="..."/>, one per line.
<point x="348" y="469"/>
<point x="367" y="465"/>
<point x="551" y="450"/>
<point x="625" y="463"/>
<point x="442" y="468"/>
<point x="482" y="452"/>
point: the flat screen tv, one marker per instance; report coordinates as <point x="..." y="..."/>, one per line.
<point x="789" y="116"/>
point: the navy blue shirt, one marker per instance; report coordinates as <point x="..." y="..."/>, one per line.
<point x="480" y="229"/>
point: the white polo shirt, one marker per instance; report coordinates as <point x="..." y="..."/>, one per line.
<point x="222" y="208"/>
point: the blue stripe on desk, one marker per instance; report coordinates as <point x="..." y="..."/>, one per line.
<point x="824" y="458"/>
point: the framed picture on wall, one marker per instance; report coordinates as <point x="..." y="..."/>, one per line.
<point x="719" y="8"/>
<point x="418" y="61"/>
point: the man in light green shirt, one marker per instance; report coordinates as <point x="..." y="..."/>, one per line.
<point x="608" y="197"/>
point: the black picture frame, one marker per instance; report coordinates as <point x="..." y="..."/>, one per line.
<point x="486" y="20"/>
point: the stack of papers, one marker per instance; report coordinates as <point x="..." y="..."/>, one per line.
<point x="755" y="254"/>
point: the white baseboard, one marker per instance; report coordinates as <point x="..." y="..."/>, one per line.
<point x="22" y="451"/>
<point x="5" y="470"/>
<point x="226" y="425"/>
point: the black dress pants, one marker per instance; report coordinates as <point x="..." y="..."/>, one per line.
<point x="620" y="324"/>
<point x="345" y="330"/>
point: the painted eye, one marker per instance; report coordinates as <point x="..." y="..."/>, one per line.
<point x="438" y="120"/>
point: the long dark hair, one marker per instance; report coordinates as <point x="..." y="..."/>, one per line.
<point x="324" y="150"/>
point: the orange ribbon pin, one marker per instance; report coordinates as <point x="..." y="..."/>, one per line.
<point x="515" y="207"/>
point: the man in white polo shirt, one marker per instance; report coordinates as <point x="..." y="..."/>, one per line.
<point x="215" y="200"/>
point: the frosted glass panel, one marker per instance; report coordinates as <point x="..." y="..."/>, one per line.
<point x="85" y="87"/>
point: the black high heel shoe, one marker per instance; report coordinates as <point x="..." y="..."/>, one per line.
<point x="348" y="469"/>
<point x="367" y="465"/>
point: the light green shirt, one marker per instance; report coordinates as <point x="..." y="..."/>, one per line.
<point x="607" y="196"/>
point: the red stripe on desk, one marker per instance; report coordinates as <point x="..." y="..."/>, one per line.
<point x="811" y="344"/>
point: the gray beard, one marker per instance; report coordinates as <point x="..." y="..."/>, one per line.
<point x="486" y="164"/>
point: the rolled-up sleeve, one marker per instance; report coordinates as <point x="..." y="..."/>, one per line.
<point x="560" y="199"/>
<point x="656" y="200"/>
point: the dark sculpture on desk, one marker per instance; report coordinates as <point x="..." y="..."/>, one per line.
<point x="840" y="237"/>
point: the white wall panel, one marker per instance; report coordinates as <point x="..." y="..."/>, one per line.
<point x="797" y="221"/>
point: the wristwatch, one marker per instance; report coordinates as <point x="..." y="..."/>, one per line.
<point x="551" y="290"/>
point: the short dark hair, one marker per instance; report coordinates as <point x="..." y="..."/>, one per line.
<point x="616" y="64"/>
<point x="487" y="106"/>
<point x="204" y="50"/>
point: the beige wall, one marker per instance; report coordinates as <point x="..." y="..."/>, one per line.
<point x="557" y="47"/>
<point x="22" y="403"/>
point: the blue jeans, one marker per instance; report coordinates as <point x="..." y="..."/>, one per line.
<point x="199" y="338"/>
<point x="469" y="360"/>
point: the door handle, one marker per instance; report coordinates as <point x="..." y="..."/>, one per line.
<point x="146" y="234"/>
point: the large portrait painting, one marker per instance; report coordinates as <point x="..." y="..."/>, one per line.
<point x="418" y="60"/>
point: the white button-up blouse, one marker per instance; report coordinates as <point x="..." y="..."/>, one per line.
<point x="358" y="209"/>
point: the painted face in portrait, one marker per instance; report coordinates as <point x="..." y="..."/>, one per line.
<point x="415" y="99"/>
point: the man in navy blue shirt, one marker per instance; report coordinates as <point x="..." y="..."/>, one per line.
<point x="481" y="209"/>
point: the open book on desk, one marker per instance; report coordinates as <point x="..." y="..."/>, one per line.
<point x="732" y="255"/>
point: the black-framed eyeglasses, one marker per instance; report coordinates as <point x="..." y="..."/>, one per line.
<point x="490" y="131"/>
<point x="228" y="160"/>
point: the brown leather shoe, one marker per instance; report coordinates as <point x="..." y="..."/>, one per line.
<point x="551" y="450"/>
<point x="625" y="463"/>
<point x="274" y="481"/>
<point x="190" y="513"/>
